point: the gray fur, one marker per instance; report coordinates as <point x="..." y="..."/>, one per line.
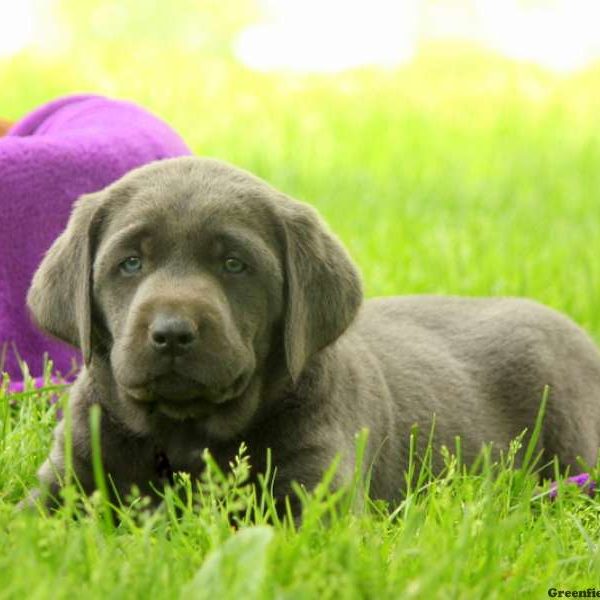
<point x="285" y="355"/>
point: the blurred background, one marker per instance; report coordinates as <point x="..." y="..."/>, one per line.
<point x="454" y="145"/>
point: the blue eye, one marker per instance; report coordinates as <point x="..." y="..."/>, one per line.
<point x="233" y="265"/>
<point x="131" y="265"/>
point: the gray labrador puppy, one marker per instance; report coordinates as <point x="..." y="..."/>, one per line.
<point x="211" y="308"/>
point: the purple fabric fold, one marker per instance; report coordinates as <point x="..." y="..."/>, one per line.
<point x="583" y="481"/>
<point x="68" y="147"/>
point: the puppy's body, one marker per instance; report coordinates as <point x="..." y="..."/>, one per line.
<point x="481" y="366"/>
<point x="281" y="354"/>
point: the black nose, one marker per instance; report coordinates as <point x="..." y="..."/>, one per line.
<point x="172" y="335"/>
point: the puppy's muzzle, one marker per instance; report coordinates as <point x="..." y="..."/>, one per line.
<point x="172" y="335"/>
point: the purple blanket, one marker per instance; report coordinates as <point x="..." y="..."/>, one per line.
<point x="68" y="147"/>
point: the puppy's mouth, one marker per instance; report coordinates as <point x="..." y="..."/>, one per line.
<point x="181" y="397"/>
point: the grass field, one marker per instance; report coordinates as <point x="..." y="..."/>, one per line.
<point x="460" y="174"/>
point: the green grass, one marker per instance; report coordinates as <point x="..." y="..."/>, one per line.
<point x="487" y="532"/>
<point x="461" y="174"/>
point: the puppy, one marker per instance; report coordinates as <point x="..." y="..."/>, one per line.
<point x="211" y="308"/>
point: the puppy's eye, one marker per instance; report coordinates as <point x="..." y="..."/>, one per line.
<point x="233" y="265"/>
<point x="131" y="265"/>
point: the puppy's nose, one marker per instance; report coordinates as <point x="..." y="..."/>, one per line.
<point x="172" y="335"/>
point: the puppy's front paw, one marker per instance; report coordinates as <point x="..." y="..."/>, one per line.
<point x="32" y="502"/>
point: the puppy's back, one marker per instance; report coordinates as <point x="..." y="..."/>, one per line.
<point x="481" y="364"/>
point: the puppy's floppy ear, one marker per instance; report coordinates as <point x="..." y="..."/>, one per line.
<point x="323" y="286"/>
<point x="59" y="297"/>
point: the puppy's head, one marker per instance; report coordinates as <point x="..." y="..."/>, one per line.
<point x="196" y="284"/>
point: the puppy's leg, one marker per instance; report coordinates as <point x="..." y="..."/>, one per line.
<point x="308" y="468"/>
<point x="126" y="460"/>
<point x="51" y="474"/>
